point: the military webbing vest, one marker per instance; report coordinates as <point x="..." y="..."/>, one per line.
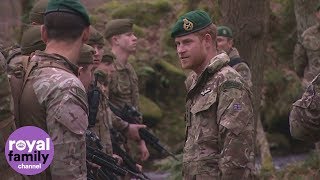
<point x="29" y="109"/>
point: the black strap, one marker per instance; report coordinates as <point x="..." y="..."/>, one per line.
<point x="234" y="61"/>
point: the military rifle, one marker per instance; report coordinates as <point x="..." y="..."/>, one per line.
<point x="108" y="163"/>
<point x="127" y="160"/>
<point x="131" y="115"/>
<point x="93" y="101"/>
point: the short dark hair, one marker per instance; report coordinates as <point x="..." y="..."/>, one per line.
<point x="64" y="26"/>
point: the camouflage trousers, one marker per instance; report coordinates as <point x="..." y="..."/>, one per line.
<point x="200" y="170"/>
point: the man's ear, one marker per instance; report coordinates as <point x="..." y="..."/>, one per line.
<point x="231" y="41"/>
<point x="114" y="40"/>
<point x="86" y="34"/>
<point x="44" y="34"/>
<point x="208" y="40"/>
<point x="80" y="69"/>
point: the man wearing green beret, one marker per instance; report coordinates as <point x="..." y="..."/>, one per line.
<point x="60" y="106"/>
<point x="36" y="17"/>
<point x="103" y="122"/>
<point x="30" y="42"/>
<point x="85" y="63"/>
<point x="225" y="43"/>
<point x="124" y="81"/>
<point x="96" y="40"/>
<point x="105" y="119"/>
<point x="219" y="141"/>
<point x="306" y="57"/>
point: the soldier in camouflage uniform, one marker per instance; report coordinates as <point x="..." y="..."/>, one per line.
<point x="85" y="63"/>
<point x="53" y="98"/>
<point x="96" y="41"/>
<point x="219" y="139"/>
<point x="105" y="118"/>
<point x="225" y="43"/>
<point x="30" y="42"/>
<point x="36" y="16"/>
<point x="7" y="124"/>
<point x="124" y="81"/>
<point x="304" y="118"/>
<point x="306" y="57"/>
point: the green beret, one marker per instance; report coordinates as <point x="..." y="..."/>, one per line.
<point x="118" y="26"/>
<point x="86" y="55"/>
<point x="191" y="22"/>
<point x="108" y="57"/>
<point x="31" y="40"/>
<point x="68" y="6"/>
<point x="95" y="37"/>
<point x="224" y="31"/>
<point x="37" y="12"/>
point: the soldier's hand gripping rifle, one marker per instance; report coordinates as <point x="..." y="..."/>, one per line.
<point x="127" y="160"/>
<point x="108" y="166"/>
<point x="108" y="163"/>
<point x="131" y="115"/>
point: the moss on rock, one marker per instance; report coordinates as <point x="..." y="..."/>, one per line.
<point x="171" y="69"/>
<point x="152" y="113"/>
<point x="144" y="13"/>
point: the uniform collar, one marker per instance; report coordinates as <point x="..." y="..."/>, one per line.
<point x="215" y="64"/>
<point x="58" y="58"/>
<point x="234" y="53"/>
<point x="120" y="66"/>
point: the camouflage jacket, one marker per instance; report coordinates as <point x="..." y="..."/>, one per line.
<point x="7" y="124"/>
<point x="54" y="99"/>
<point x="103" y="120"/>
<point x="242" y="68"/>
<point x="16" y="69"/>
<point x="2" y="62"/>
<point x="307" y="54"/>
<point x="219" y="123"/>
<point x="106" y="120"/>
<point x="304" y="118"/>
<point x="124" y="86"/>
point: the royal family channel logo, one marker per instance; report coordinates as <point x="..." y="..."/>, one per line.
<point x="29" y="150"/>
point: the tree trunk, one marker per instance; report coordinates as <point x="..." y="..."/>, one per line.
<point x="249" y="21"/>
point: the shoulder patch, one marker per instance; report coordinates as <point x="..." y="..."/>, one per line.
<point x="230" y="85"/>
<point x="80" y="93"/>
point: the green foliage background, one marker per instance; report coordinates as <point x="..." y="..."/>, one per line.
<point x="162" y="80"/>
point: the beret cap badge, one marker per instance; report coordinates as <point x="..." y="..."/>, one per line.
<point x="224" y="31"/>
<point x="187" y="25"/>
